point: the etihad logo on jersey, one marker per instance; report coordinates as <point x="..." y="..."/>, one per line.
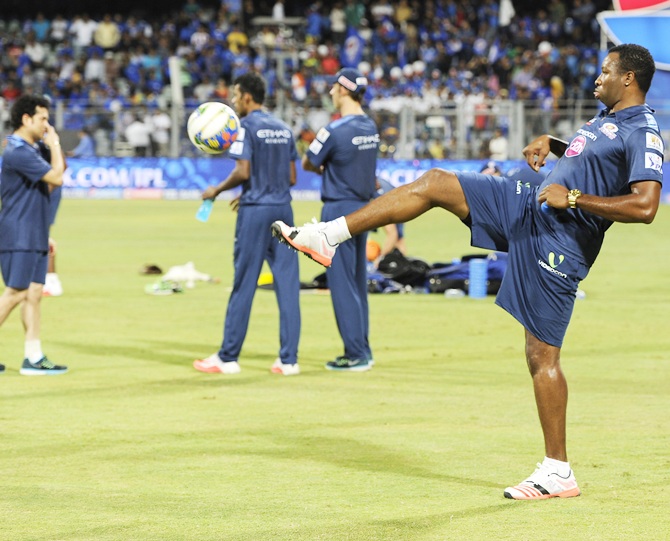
<point x="576" y="146"/>
<point x="551" y="266"/>
<point x="609" y="130"/>
<point x="366" y="142"/>
<point x="273" y="134"/>
<point x="653" y="161"/>
<point x="654" y="142"/>
<point x="365" y="139"/>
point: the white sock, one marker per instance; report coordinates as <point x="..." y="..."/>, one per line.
<point x="337" y="231"/>
<point x="561" y="468"/>
<point x="33" y="351"/>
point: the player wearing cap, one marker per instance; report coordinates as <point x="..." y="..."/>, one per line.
<point x="345" y="153"/>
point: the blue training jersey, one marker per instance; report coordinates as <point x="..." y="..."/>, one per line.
<point x="24" y="216"/>
<point x="347" y="148"/>
<point x="606" y="155"/>
<point x="268" y="144"/>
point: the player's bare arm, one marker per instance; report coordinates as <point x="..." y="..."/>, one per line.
<point x="309" y="166"/>
<point x="237" y="176"/>
<point x="294" y="174"/>
<point x="639" y="206"/>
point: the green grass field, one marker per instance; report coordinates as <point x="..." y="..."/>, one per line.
<point x="134" y="444"/>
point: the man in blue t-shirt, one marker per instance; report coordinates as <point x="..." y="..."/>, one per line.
<point x="609" y="172"/>
<point x="345" y="154"/>
<point x="264" y="154"/>
<point x="25" y="190"/>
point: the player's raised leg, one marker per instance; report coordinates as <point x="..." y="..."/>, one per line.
<point x="435" y="188"/>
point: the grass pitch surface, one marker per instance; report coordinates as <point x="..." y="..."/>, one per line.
<point x="134" y="444"/>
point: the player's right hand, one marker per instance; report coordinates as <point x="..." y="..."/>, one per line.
<point x="51" y="138"/>
<point x="536" y="152"/>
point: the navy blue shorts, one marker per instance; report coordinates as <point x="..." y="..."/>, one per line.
<point x="540" y="282"/>
<point x="20" y="269"/>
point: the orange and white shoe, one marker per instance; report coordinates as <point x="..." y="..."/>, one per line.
<point x="214" y="365"/>
<point x="285" y="369"/>
<point x="544" y="483"/>
<point x="310" y="239"/>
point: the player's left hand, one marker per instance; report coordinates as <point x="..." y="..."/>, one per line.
<point x="235" y="203"/>
<point x="554" y="195"/>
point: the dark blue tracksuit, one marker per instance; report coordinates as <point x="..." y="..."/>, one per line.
<point x="268" y="144"/>
<point x="347" y="148"/>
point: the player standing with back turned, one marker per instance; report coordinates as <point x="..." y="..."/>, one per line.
<point x="345" y="153"/>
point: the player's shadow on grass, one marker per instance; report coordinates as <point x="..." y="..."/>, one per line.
<point x="354" y="454"/>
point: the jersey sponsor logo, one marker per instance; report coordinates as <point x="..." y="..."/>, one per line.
<point x="654" y="142"/>
<point x="653" y="161"/>
<point x="240" y="134"/>
<point x="588" y="134"/>
<point x="576" y="146"/>
<point x="323" y="135"/>
<point x="651" y="121"/>
<point x="552" y="260"/>
<point x="546" y="267"/>
<point x="274" y="136"/>
<point x="364" y="142"/>
<point x="315" y="147"/>
<point x="236" y="148"/>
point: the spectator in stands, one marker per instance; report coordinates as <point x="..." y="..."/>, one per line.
<point x="85" y="148"/>
<point x="160" y="123"/>
<point x="82" y="30"/>
<point x="498" y="146"/>
<point x="107" y="34"/>
<point x="138" y="135"/>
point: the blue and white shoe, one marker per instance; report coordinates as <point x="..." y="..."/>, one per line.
<point x="343" y="364"/>
<point x="43" y="367"/>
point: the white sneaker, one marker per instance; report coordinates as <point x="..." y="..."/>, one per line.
<point x="309" y="239"/>
<point x="285" y="369"/>
<point x="52" y="286"/>
<point x="214" y="364"/>
<point x="542" y="484"/>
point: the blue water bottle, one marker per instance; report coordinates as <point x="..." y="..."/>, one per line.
<point x="478" y="269"/>
<point x="204" y="210"/>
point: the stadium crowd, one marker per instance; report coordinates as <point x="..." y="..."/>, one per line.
<point x="415" y="53"/>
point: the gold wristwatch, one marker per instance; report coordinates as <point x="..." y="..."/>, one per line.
<point x="573" y="195"/>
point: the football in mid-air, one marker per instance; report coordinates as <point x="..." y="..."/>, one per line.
<point x="213" y="127"/>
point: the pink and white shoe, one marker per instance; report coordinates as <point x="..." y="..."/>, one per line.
<point x="285" y="369"/>
<point x="544" y="483"/>
<point x="213" y="365"/>
<point x="309" y="239"/>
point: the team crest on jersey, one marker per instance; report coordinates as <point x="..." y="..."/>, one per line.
<point x="576" y="146"/>
<point x="654" y="142"/>
<point x="323" y="135"/>
<point x="609" y="130"/>
<point x="653" y="161"/>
